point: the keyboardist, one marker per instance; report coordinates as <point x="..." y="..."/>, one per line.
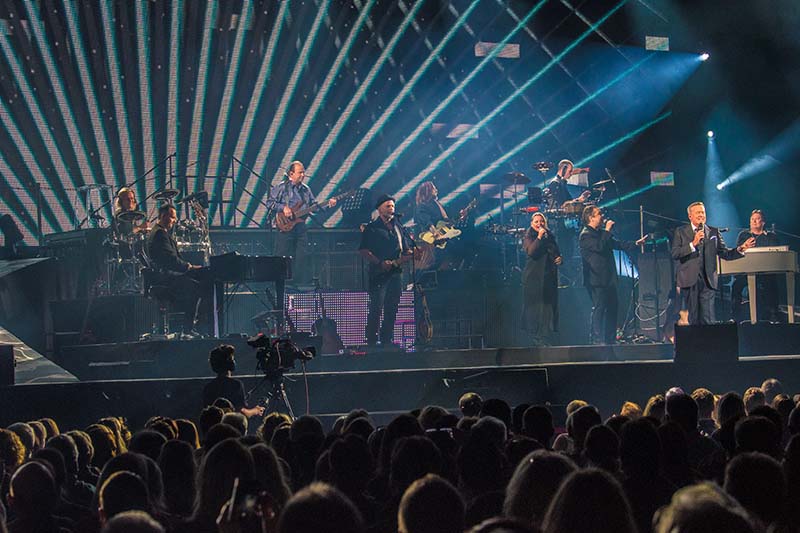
<point x="186" y="279"/>
<point x="767" y="283"/>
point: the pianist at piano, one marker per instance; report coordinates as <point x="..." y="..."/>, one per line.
<point x="185" y="279"/>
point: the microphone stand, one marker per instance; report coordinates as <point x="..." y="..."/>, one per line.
<point x="408" y="235"/>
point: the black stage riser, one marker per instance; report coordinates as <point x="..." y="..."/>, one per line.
<point x="606" y="385"/>
<point x="183" y="359"/>
<point x="25" y="287"/>
<point x="330" y="393"/>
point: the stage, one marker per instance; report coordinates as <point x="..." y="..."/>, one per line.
<point x="384" y="383"/>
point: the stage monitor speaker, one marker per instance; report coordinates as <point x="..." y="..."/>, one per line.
<point x="709" y="343"/>
<point x="6" y="365"/>
<point x="766" y="338"/>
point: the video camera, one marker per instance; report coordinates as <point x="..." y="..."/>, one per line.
<point x="275" y="356"/>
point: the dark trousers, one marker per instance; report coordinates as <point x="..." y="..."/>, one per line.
<point x="384" y="295"/>
<point x="294" y="244"/>
<point x="185" y="293"/>
<point x="604" y="314"/>
<point x="699" y="302"/>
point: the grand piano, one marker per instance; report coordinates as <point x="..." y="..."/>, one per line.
<point x="234" y="267"/>
<point x="764" y="260"/>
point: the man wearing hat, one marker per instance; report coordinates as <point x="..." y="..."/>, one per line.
<point x="384" y="246"/>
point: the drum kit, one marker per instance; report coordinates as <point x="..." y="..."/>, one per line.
<point x="539" y="200"/>
<point x="563" y="217"/>
<point x="126" y="246"/>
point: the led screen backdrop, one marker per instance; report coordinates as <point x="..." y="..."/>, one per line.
<point x="222" y="95"/>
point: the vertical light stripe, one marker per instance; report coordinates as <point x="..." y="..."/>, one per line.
<point x="353" y="157"/>
<point x="366" y="84"/>
<point x="93" y="104"/>
<point x="59" y="208"/>
<point x="173" y="77"/>
<point x="145" y="88"/>
<point x="200" y="88"/>
<point x="35" y="23"/>
<point x="258" y="93"/>
<point x="327" y="84"/>
<point x="230" y="89"/>
<point x="288" y="94"/>
<point x="42" y="127"/>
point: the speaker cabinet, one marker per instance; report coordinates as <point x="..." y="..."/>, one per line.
<point x="707" y="344"/>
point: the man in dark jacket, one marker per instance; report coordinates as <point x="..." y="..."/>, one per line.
<point x="597" y="247"/>
<point x="696" y="247"/>
<point x="173" y="270"/>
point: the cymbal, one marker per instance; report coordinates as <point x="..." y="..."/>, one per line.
<point x="131" y="216"/>
<point x="516" y="178"/>
<point x="166" y="194"/>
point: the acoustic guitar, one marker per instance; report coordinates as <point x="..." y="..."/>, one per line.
<point x="285" y="224"/>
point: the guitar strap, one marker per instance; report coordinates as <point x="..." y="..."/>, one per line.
<point x="399" y="237"/>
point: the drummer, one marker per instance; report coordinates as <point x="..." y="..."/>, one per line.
<point x="556" y="193"/>
<point x="126" y="226"/>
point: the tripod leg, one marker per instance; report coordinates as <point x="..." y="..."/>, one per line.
<point x="285" y="398"/>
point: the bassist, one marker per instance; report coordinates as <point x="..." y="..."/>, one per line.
<point x="286" y="198"/>
<point x="385" y="247"/>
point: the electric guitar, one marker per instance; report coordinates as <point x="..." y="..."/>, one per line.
<point x="444" y="230"/>
<point x="285" y="224"/>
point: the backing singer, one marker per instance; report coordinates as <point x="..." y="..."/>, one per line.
<point x="540" y="282"/>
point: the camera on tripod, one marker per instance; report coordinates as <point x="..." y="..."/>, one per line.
<point x="275" y="356"/>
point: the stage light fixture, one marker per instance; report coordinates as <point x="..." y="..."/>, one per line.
<point x="720" y="186"/>
<point x="710" y="134"/>
<point x="704" y="56"/>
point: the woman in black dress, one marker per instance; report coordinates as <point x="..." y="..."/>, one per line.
<point x="540" y="282"/>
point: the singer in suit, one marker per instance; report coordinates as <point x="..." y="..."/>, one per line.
<point x="540" y="282"/>
<point x="597" y="246"/>
<point x="175" y="272"/>
<point x="290" y="195"/>
<point x="767" y="284"/>
<point x="696" y="247"/>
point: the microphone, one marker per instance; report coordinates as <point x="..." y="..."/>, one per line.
<point x="399" y="215"/>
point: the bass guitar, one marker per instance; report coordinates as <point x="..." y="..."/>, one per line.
<point x="285" y="224"/>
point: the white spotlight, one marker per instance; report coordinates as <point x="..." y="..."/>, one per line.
<point x="720" y="186"/>
<point x="710" y="134"/>
<point x="704" y="56"/>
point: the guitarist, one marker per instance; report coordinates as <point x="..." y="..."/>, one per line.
<point x="386" y="248"/>
<point x="287" y="197"/>
<point x="427" y="212"/>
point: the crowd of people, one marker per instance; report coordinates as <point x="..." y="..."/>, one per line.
<point x="686" y="461"/>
